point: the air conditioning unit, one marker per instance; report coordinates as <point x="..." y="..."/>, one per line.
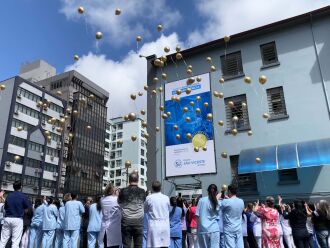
<point x="58" y="146"/>
<point x="68" y="126"/>
<point x="41" y="154"/>
<point x="51" y="158"/>
<point x="53" y="127"/>
<point x="55" y="174"/>
<point x="16" y="112"/>
<point x="7" y="163"/>
<point x="62" y="115"/>
<point x="66" y="140"/>
<point x="19" y="96"/>
<point x="43" y="122"/>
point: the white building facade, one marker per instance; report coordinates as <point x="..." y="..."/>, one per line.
<point x="120" y="147"/>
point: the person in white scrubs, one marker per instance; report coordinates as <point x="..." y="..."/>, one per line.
<point x="157" y="206"/>
<point x="49" y="222"/>
<point x="72" y="220"/>
<point x="59" y="235"/>
<point x="94" y="224"/>
<point x="256" y="228"/>
<point x="35" y="237"/>
<point x="111" y="219"/>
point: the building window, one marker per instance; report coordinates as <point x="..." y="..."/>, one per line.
<point x="52" y="152"/>
<point x="108" y="126"/>
<point x="17" y="141"/>
<point x="239" y="110"/>
<point x="118" y="173"/>
<point x="142" y="152"/>
<point x="112" y="165"/>
<point x="107" y="135"/>
<point x="28" y="94"/>
<point x="24" y="125"/>
<point x="120" y="126"/>
<point x="50" y="167"/>
<point x="113" y="137"/>
<point x="119" y="135"/>
<point x="231" y="65"/>
<point x="276" y="102"/>
<point x="106" y="145"/>
<point x="269" y="53"/>
<point x="118" y="163"/>
<point x="33" y="163"/>
<point x="35" y="147"/>
<point x="142" y="161"/>
<point x="142" y="182"/>
<point x="56" y="108"/>
<point x="26" y="110"/>
<point x="119" y="145"/>
<point x="112" y="155"/>
<point x="142" y="171"/>
<point x="142" y="143"/>
<point x="118" y="182"/>
<point x="289" y="175"/>
<point x="118" y="154"/>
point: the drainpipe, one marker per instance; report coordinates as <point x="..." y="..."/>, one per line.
<point x="319" y="67"/>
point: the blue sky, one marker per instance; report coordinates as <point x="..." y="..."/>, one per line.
<point x="54" y="31"/>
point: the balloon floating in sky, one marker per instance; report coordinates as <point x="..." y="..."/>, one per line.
<point x="98" y="35"/>
<point x="159" y="27"/>
<point x="226" y="38"/>
<point x="167" y="49"/>
<point x="76" y="57"/>
<point x="138" y="38"/>
<point x="81" y="10"/>
<point x="117" y="12"/>
<point x="262" y="79"/>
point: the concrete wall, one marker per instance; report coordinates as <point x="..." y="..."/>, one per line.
<point x="306" y="104"/>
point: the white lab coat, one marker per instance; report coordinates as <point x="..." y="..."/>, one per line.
<point x="157" y="206"/>
<point x="256" y="225"/>
<point x="111" y="221"/>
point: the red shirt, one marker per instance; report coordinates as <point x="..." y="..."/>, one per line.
<point x="193" y="217"/>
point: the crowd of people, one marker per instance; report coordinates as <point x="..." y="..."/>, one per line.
<point x="131" y="217"/>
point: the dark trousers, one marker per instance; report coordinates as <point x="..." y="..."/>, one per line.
<point x="184" y="238"/>
<point x="301" y="238"/>
<point x="132" y="232"/>
<point x="105" y="243"/>
<point x="251" y="240"/>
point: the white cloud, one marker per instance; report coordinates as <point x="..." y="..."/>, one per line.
<point x="138" y="17"/>
<point x="122" y="78"/>
<point x="227" y="17"/>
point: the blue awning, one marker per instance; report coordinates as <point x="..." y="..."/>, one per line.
<point x="288" y="156"/>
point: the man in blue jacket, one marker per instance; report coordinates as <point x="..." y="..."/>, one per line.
<point x="15" y="205"/>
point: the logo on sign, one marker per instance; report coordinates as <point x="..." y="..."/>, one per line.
<point x="178" y="163"/>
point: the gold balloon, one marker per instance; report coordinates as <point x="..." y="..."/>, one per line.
<point x="163" y="58"/>
<point x="192" y="103"/>
<point x="161" y="108"/>
<point x="133" y="138"/>
<point x="222" y="80"/>
<point x="70" y="135"/>
<point x="188" y="119"/>
<point x="231" y="104"/>
<point x="196" y="149"/>
<point x="188" y="135"/>
<point x="226" y="38"/>
<point x="16" y="158"/>
<point x="167" y="49"/>
<point x="146" y="135"/>
<point x="144" y="124"/>
<point x="60" y="129"/>
<point x="120" y="142"/>
<point x="59" y="92"/>
<point x="265" y="115"/>
<point x="188" y="91"/>
<point x="224" y="188"/>
<point x="133" y="96"/>
<point x="216" y="93"/>
<point x="140" y="93"/>
<point x="213" y="68"/>
<point x="189" y="71"/>
<point x="2" y="87"/>
<point x="262" y="79"/>
<point x="204" y="148"/>
<point x="243" y="105"/>
<point x="117" y="11"/>
<point x="132" y="116"/>
<point x="53" y="119"/>
<point x="189" y="67"/>
<point x="157" y="129"/>
<point x="164" y="76"/>
<point x="198" y="110"/>
<point x="249" y="133"/>
<point x="185" y="110"/>
<point x="198" y="79"/>
<point x="128" y="164"/>
<point x="81" y="10"/>
<point x="198" y="98"/>
<point x="168" y="114"/>
<point x="177" y="99"/>
<point x="126" y="118"/>
<point x="209" y="116"/>
<point x="98" y="35"/>
<point x="159" y="27"/>
<point x="178" y="136"/>
<point x="19" y="128"/>
<point x="209" y="59"/>
<point x="76" y="57"/>
<point x="155" y="79"/>
<point x="62" y="120"/>
<point x="224" y="155"/>
<point x="235" y="119"/>
<point x="178" y="48"/>
<point x="221" y="123"/>
<point x="176" y="127"/>
<point x="178" y="56"/>
<point x="190" y="81"/>
<point x="153" y="92"/>
<point x="143" y="112"/>
<point x="89" y="127"/>
<point x="220" y="95"/>
<point x="247" y="80"/>
<point x="160" y="89"/>
<point x="258" y="160"/>
<point x="164" y="116"/>
<point x="206" y="104"/>
<point x="157" y="62"/>
<point x="178" y="92"/>
<point x="47" y="132"/>
<point x="138" y="38"/>
<point x="234" y="131"/>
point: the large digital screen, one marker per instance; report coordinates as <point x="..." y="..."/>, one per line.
<point x="189" y="128"/>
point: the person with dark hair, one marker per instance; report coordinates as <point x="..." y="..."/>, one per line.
<point x="180" y="203"/>
<point x="175" y="224"/>
<point x="131" y="200"/>
<point x="208" y="214"/>
<point x="60" y="222"/>
<point x="286" y="227"/>
<point x="111" y="219"/>
<point x="244" y="230"/>
<point x="310" y="226"/>
<point x="2" y="205"/>
<point x="72" y="221"/>
<point x="250" y="223"/>
<point x="84" y="222"/>
<point x="35" y="236"/>
<point x="49" y="223"/>
<point x="145" y="225"/>
<point x="269" y="217"/>
<point x="193" y="241"/>
<point x="28" y="214"/>
<point x="157" y="207"/>
<point x="297" y="217"/>
<point x="232" y="209"/>
<point x="15" y="206"/>
<point x="94" y="225"/>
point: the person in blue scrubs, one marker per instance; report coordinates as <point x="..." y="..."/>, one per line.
<point x="35" y="237"/>
<point x="175" y="224"/>
<point x="49" y="223"/>
<point x="208" y="216"/>
<point x="60" y="221"/>
<point x="94" y="224"/>
<point x="73" y="211"/>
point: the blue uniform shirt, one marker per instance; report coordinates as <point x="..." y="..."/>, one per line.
<point x="60" y="219"/>
<point x="38" y="215"/>
<point x="207" y="216"/>
<point x="95" y="217"/>
<point x="232" y="210"/>
<point x="49" y="219"/>
<point x="15" y="204"/>
<point x="73" y="211"/>
<point x="175" y="223"/>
